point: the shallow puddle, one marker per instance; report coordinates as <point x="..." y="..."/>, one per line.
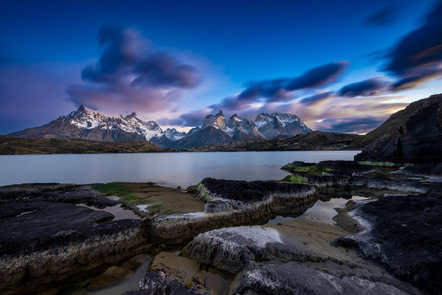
<point x="320" y="211"/>
<point x="117" y="211"/>
<point x="128" y="284"/>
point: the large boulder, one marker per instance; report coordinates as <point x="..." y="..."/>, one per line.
<point x="413" y="135"/>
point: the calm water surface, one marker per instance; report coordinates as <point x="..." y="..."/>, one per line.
<point x="173" y="169"/>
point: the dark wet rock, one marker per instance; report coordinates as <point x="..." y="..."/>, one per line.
<point x="404" y="234"/>
<point x="297" y="278"/>
<point x="251" y="191"/>
<point x="46" y="237"/>
<point x="232" y="249"/>
<point x="180" y="229"/>
<point x="294" y="257"/>
<point x="29" y="227"/>
<point x="413" y="135"/>
<point x="229" y="195"/>
<point x="350" y="175"/>
<point x="156" y="283"/>
<point x="427" y="168"/>
<point x="343" y="167"/>
<point x="54" y="192"/>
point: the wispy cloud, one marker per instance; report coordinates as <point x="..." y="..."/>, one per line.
<point x="382" y="17"/>
<point x="129" y="75"/>
<point x="369" y="87"/>
<point x="417" y="57"/>
<point x="282" y="89"/>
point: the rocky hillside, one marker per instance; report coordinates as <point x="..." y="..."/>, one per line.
<point x="413" y="135"/>
<point x="23" y="146"/>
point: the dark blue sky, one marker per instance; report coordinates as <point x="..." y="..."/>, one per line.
<point x="340" y="65"/>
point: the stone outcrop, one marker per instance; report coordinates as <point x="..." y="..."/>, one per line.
<point x="299" y="278"/>
<point x="413" y="135"/>
<point x="293" y="257"/>
<point x="335" y="176"/>
<point x="232" y="203"/>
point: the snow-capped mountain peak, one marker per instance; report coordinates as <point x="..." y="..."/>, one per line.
<point x="173" y="134"/>
<point x="85" y="118"/>
<point x="275" y="124"/>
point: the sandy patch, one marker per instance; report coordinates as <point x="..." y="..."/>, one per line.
<point x="167" y="199"/>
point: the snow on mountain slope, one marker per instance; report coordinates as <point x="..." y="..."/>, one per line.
<point x="173" y="134"/>
<point x="89" y="119"/>
<point x="275" y="124"/>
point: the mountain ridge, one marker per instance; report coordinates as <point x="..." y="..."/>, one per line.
<point x="85" y="123"/>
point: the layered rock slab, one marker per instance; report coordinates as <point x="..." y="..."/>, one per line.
<point x="45" y="237"/>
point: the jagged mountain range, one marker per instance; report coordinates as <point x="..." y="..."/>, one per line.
<point x="86" y="123"/>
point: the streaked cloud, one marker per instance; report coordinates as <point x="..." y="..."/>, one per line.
<point x="417" y="57"/>
<point x="129" y="75"/>
<point x="369" y="87"/>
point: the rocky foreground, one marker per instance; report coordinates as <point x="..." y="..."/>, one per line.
<point x="388" y="244"/>
<point x="51" y="234"/>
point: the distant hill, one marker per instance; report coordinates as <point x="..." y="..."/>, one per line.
<point x="22" y="146"/>
<point x="316" y="140"/>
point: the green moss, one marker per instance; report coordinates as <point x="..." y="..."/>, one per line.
<point x="295" y="178"/>
<point x="204" y="193"/>
<point x="378" y="164"/>
<point x="306" y="169"/>
<point x="120" y="190"/>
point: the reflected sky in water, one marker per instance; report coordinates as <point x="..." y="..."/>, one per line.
<point x="172" y="169"/>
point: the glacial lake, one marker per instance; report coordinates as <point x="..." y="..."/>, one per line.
<point x="170" y="169"/>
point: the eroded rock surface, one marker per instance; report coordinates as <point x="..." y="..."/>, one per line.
<point x="157" y="283"/>
<point x="299" y="278"/>
<point x="404" y="233"/>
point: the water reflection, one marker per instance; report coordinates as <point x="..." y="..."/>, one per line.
<point x="323" y="211"/>
<point x="173" y="169"/>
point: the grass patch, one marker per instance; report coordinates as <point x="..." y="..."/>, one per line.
<point x="378" y="164"/>
<point x="120" y="190"/>
<point x="156" y="207"/>
<point x="306" y="169"/>
<point x="295" y="178"/>
<point x="168" y="212"/>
